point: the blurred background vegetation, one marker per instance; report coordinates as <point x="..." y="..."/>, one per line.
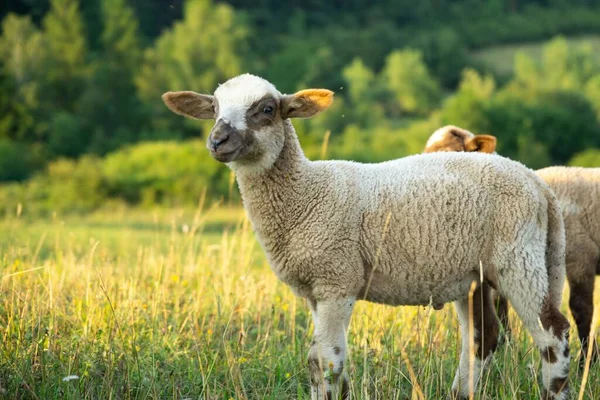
<point x="82" y="125"/>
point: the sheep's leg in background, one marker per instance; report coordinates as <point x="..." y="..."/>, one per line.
<point x="328" y="350"/>
<point x="501" y="305"/>
<point x="581" y="274"/>
<point x="582" y="309"/>
<point x="485" y="338"/>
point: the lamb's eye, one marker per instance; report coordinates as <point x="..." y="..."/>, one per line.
<point x="268" y="110"/>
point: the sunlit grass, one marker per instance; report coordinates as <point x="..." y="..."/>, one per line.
<point x="136" y="305"/>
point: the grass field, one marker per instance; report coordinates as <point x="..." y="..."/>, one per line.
<point x="175" y="304"/>
<point x="501" y="59"/>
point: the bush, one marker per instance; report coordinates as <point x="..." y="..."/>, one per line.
<point x="566" y="123"/>
<point x="67" y="186"/>
<point x="164" y="172"/>
<point x="77" y="185"/>
<point x="445" y="54"/>
<point x="11" y="195"/>
<point x="14" y="161"/>
<point x="66" y="136"/>
<point x="589" y="158"/>
<point x="537" y="131"/>
<point x="383" y="142"/>
<point x="466" y="108"/>
<point x="406" y="76"/>
<point x="153" y="172"/>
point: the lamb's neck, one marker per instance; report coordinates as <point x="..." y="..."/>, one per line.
<point x="275" y="192"/>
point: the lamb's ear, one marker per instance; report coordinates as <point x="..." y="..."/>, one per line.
<point x="190" y="104"/>
<point x="306" y="103"/>
<point x="481" y="144"/>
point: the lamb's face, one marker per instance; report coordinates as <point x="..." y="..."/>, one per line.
<point x="249" y="123"/>
<point x="452" y="138"/>
<point x="250" y="114"/>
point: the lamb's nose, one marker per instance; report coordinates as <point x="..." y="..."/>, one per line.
<point x="218" y="140"/>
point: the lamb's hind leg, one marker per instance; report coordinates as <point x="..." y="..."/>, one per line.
<point x="550" y="331"/>
<point x="582" y="260"/>
<point x="581" y="303"/>
<point x="328" y="350"/>
<point x="485" y="337"/>
<point x="502" y="311"/>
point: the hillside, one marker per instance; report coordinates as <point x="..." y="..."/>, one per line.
<point x="500" y="58"/>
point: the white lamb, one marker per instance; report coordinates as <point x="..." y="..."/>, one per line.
<point x="578" y="191"/>
<point x="407" y="232"/>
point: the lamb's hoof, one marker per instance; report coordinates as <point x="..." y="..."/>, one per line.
<point x="546" y="395"/>
<point x="454" y="395"/>
<point x="503" y="339"/>
<point x="583" y="357"/>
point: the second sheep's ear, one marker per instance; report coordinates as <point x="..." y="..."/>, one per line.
<point x="190" y="104"/>
<point x="481" y="144"/>
<point x="306" y="103"/>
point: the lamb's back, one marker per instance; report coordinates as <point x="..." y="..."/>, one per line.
<point x="428" y="220"/>
<point x="578" y="191"/>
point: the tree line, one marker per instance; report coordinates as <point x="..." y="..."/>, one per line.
<point x="80" y="85"/>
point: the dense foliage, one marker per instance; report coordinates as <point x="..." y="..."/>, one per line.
<point x="81" y="120"/>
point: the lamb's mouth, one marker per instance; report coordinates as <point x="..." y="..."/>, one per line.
<point x="225" y="156"/>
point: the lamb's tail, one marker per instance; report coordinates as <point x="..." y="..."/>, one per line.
<point x="555" y="249"/>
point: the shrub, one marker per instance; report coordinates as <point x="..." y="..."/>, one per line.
<point x="164" y="172"/>
<point x="67" y="186"/>
<point x="14" y="161"/>
<point x="587" y="158"/>
<point x="66" y="136"/>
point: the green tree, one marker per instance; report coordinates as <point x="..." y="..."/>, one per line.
<point x="592" y="93"/>
<point x="120" y="38"/>
<point x="363" y="92"/>
<point x="195" y="54"/>
<point x="567" y="67"/>
<point x="21" y="49"/>
<point x="290" y="69"/>
<point x="511" y="120"/>
<point x="562" y="67"/>
<point x="67" y="51"/>
<point x="15" y="119"/>
<point x="542" y="131"/>
<point x="466" y="108"/>
<point x="360" y="79"/>
<point x="445" y="53"/>
<point x="284" y="59"/>
<point x="527" y="78"/>
<point x="14" y="161"/>
<point x="589" y="158"/>
<point x="566" y="122"/>
<point x="66" y="136"/>
<point x="109" y="105"/>
<point x="408" y="78"/>
<point x="22" y="56"/>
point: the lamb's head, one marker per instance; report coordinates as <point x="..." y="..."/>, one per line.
<point x="250" y="115"/>
<point x="453" y="138"/>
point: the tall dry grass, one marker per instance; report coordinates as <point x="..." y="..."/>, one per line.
<point x="175" y="305"/>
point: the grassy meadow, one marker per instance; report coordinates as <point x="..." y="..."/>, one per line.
<point x="181" y="304"/>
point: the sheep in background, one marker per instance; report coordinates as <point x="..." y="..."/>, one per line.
<point x="578" y="192"/>
<point x="412" y="231"/>
<point x="453" y="138"/>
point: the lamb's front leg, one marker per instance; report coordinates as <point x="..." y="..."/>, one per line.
<point x="485" y="339"/>
<point x="328" y="349"/>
